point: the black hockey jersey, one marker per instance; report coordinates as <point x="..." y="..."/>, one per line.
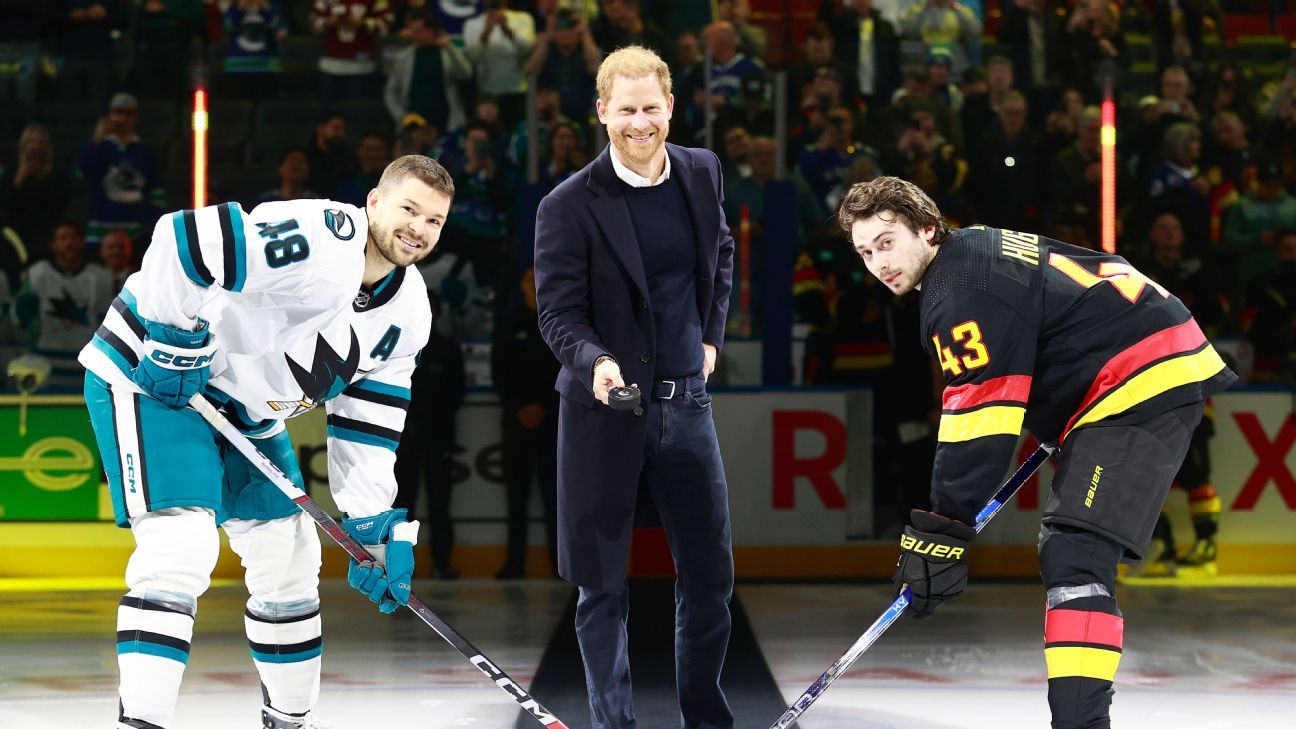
<point x="1031" y="332"/>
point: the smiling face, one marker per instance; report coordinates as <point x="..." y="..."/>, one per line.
<point x="637" y="115"/>
<point x="405" y="220"/>
<point x="897" y="255"/>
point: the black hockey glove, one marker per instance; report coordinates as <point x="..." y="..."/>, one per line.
<point x="933" y="561"/>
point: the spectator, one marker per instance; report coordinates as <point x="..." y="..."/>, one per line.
<point x="351" y="28"/>
<point x="372" y="155"/>
<point x="817" y="53"/>
<point x="465" y="305"/>
<point x="749" y="192"/>
<point x="1270" y="312"/>
<point x="499" y="41"/>
<point x="938" y="77"/>
<point x="37" y="193"/>
<point x="753" y="111"/>
<point x="116" y="254"/>
<point x="254" y="29"/>
<point x="427" y="444"/>
<point x="1252" y="225"/>
<point x="728" y="66"/>
<point x="924" y="155"/>
<point x="1034" y="37"/>
<point x="868" y="43"/>
<point x="13" y="259"/>
<point x="688" y="54"/>
<point x="1007" y="170"/>
<point x="61" y="303"/>
<point x="425" y="77"/>
<point x="1096" y="45"/>
<point x="1176" y="96"/>
<point x="980" y="110"/>
<point x="946" y="23"/>
<point x="817" y="97"/>
<point x="164" y="31"/>
<point x="917" y="95"/>
<point x="1228" y="89"/>
<point x="482" y="194"/>
<point x="1181" y="275"/>
<point x="1179" y="25"/>
<point x="85" y="47"/>
<point x="752" y="39"/>
<point x="733" y="152"/>
<point x="565" y="58"/>
<point x="1075" y="175"/>
<point x="1230" y="159"/>
<point x="416" y="136"/>
<point x="122" y="173"/>
<point x="327" y="152"/>
<point x="22" y="25"/>
<point x="294" y="172"/>
<point x="547" y="113"/>
<point x="621" y="23"/>
<point x="565" y="154"/>
<point x="523" y="370"/>
<point x="1176" y="184"/>
<point x="1061" y="124"/>
<point x="824" y="165"/>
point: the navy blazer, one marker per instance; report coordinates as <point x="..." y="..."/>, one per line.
<point x="593" y="300"/>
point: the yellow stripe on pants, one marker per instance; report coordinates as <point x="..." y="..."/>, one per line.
<point x="1081" y="661"/>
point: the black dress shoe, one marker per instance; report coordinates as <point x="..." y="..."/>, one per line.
<point x="510" y="572"/>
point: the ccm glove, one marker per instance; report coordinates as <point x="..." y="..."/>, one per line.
<point x="390" y="539"/>
<point x="933" y="561"/>
<point x="176" y="364"/>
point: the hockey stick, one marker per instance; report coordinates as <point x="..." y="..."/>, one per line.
<point x="879" y="626"/>
<point x="360" y="554"/>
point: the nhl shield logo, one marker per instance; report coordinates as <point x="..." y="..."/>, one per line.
<point x="339" y="223"/>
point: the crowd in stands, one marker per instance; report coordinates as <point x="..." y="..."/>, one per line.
<point x="991" y="107"/>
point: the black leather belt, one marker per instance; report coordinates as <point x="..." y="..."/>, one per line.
<point x="668" y="389"/>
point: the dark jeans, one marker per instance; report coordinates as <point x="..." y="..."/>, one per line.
<point x="683" y="475"/>
<point x="528" y="454"/>
<point x="336" y="87"/>
<point x="427" y="453"/>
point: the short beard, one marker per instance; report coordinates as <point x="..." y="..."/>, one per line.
<point x="628" y="151"/>
<point x="386" y="246"/>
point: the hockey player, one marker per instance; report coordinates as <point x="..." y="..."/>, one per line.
<point x="1084" y="351"/>
<point x="268" y="314"/>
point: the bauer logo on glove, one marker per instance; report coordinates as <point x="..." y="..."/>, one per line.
<point x="931" y="549"/>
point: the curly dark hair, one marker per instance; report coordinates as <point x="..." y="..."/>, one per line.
<point x="901" y="198"/>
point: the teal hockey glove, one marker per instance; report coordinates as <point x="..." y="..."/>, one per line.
<point x="176" y="364"/>
<point x="390" y="539"/>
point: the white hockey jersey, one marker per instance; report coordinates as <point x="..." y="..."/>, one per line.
<point x="71" y="306"/>
<point x="294" y="327"/>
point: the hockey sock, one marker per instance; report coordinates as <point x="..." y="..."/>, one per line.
<point x="153" y="634"/>
<point x="1083" y="629"/>
<point x="1204" y="505"/>
<point x="286" y="644"/>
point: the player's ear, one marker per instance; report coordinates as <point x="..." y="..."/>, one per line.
<point x="371" y="200"/>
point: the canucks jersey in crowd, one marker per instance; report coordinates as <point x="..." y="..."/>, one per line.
<point x="1026" y="337"/>
<point x="280" y="290"/>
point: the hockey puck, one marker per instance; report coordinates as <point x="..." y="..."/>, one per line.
<point x="623" y="398"/>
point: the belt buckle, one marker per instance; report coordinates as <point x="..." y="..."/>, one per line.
<point x="673" y="384"/>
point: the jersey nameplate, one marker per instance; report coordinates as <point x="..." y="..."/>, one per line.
<point x="1021" y="246"/>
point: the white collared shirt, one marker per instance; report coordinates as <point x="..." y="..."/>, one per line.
<point x="634" y="179"/>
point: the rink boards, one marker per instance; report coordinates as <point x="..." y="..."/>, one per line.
<point x="798" y="464"/>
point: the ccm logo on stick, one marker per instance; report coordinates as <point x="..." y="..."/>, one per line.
<point x="504" y="682"/>
<point x="180" y="362"/>
<point x="918" y="546"/>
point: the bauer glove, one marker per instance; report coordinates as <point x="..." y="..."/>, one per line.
<point x="176" y="364"/>
<point x="933" y="561"/>
<point x="390" y="539"/>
